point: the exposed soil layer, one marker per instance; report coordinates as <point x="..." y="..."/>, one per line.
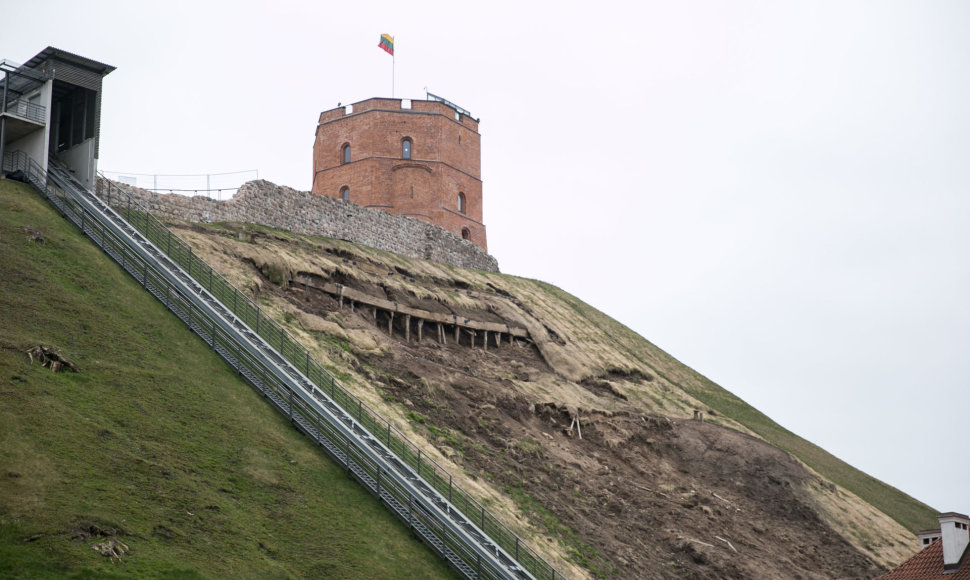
<point x="680" y="499"/>
<point x="633" y="495"/>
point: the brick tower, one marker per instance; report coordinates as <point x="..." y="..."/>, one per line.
<point x="420" y="159"/>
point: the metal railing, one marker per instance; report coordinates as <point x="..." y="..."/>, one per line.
<point x="431" y="519"/>
<point x="18" y="161"/>
<point x="218" y="186"/>
<point x="252" y="315"/>
<point x="27" y="110"/>
<point x="442" y="513"/>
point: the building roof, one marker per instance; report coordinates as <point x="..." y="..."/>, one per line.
<point x="927" y="564"/>
<point x="50" y="53"/>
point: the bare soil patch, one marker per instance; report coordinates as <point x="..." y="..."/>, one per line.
<point x="628" y="493"/>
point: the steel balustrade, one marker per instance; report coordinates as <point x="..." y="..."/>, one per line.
<point x="27" y="110"/>
<point x="390" y="466"/>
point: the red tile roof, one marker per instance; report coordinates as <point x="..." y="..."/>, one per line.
<point x="928" y="563"/>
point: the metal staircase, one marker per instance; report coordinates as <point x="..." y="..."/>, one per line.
<point x="409" y="483"/>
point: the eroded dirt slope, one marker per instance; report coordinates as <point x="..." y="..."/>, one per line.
<point x="580" y="435"/>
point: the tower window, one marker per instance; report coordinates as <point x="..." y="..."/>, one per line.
<point x="345" y="193"/>
<point x="461" y="202"/>
<point x="406" y="149"/>
<point x="346" y="154"/>
<point x="465" y="234"/>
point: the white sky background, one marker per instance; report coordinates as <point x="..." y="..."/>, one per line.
<point x="775" y="193"/>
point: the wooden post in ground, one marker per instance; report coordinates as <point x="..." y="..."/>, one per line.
<point x="420" y="326"/>
<point x="407" y="328"/>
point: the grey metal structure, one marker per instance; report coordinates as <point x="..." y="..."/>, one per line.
<point x="50" y="110"/>
<point x="392" y="468"/>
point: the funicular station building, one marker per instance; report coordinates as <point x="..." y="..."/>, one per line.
<point x="50" y="112"/>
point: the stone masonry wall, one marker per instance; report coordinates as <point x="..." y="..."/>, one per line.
<point x="264" y="203"/>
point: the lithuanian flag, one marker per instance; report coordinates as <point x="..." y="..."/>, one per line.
<point x="387" y="43"/>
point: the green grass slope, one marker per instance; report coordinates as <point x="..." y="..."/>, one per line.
<point x="155" y="440"/>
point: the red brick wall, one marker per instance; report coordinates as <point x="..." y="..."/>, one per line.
<point x="445" y="161"/>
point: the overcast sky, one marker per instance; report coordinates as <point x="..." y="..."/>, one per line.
<point x="776" y="193"/>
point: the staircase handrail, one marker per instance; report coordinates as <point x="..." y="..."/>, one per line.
<point x="292" y="352"/>
<point x="431" y="518"/>
<point x="250" y="313"/>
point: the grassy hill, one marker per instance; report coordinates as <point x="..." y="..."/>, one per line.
<point x="501" y="420"/>
<point x="155" y="444"/>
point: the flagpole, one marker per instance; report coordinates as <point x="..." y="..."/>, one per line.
<point x="387" y="44"/>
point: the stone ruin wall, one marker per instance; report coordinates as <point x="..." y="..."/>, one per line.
<point x="264" y="203"/>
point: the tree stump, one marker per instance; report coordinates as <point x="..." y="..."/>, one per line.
<point x="50" y="357"/>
